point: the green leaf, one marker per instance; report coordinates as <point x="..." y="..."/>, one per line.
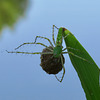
<point x="87" y="69"/>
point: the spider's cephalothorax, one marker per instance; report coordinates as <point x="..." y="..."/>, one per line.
<point x="49" y="63"/>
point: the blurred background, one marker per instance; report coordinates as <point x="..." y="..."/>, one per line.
<point x="21" y="76"/>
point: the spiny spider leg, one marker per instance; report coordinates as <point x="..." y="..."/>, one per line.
<point x="63" y="71"/>
<point x="44" y="38"/>
<point x="31" y="43"/>
<point x="55" y="27"/>
<point x="30" y="52"/>
<point x="66" y="35"/>
<point x="77" y="57"/>
<point x="53" y="34"/>
<point x="70" y="48"/>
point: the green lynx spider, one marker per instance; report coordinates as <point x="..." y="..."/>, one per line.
<point x="57" y="49"/>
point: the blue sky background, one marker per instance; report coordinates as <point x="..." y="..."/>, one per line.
<point x="21" y="76"/>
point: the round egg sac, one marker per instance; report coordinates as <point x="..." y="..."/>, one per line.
<point x="49" y="63"/>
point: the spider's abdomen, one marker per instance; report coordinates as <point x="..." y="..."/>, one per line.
<point x="49" y="63"/>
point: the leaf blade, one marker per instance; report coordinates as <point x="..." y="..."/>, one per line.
<point x="88" y="72"/>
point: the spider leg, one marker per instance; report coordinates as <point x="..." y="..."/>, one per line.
<point x="30" y="43"/>
<point x="53" y="34"/>
<point x="66" y="35"/>
<point x="70" y="48"/>
<point x="44" y="38"/>
<point x="55" y="27"/>
<point x="77" y="57"/>
<point x="63" y="71"/>
<point x="30" y="52"/>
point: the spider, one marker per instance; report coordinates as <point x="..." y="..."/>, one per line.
<point x="52" y="59"/>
